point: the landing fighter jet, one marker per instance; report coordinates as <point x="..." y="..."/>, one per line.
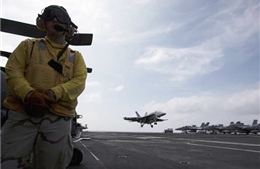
<point x="147" y="119"/>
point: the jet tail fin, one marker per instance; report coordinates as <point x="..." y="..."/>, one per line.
<point x="254" y="122"/>
<point x="137" y="114"/>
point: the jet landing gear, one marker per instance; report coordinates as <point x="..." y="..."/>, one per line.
<point x="152" y="124"/>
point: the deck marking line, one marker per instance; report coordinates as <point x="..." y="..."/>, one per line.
<point x="90" y="151"/>
<point x="100" y="162"/>
<point x="81" y="139"/>
<point x="222" y="142"/>
<point x="228" y="148"/>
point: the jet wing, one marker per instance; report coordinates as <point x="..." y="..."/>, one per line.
<point x="132" y="118"/>
<point x="148" y="116"/>
<point x="160" y="120"/>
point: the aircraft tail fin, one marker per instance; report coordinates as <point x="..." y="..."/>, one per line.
<point x="238" y="122"/>
<point x="254" y="122"/>
<point x="137" y="114"/>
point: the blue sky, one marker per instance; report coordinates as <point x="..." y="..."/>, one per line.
<point x="196" y="60"/>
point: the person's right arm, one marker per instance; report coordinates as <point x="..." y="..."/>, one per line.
<point x="15" y="69"/>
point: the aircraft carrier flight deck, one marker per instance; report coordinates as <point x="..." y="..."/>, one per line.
<point x="114" y="150"/>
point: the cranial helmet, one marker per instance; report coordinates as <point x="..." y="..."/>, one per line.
<point x="58" y="12"/>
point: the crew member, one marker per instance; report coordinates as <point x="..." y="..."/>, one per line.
<point x="44" y="79"/>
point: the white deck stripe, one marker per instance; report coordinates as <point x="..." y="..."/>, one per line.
<point x="227" y="148"/>
<point x="222" y="142"/>
<point x="90" y="151"/>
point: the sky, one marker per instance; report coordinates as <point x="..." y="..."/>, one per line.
<point x="196" y="60"/>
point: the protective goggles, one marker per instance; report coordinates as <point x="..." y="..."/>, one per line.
<point x="57" y="12"/>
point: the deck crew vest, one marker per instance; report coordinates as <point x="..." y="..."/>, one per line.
<point x="39" y="57"/>
<point x="42" y="76"/>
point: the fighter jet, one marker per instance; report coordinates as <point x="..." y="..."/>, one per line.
<point x="77" y="128"/>
<point x="151" y="118"/>
<point x="186" y="129"/>
<point x="220" y="128"/>
<point x="202" y="128"/>
<point x="235" y="128"/>
<point x="254" y="128"/>
<point x="215" y="128"/>
<point x="193" y="128"/>
<point x="241" y="128"/>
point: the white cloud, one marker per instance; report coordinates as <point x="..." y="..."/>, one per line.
<point x="93" y="84"/>
<point x="118" y="88"/>
<point x="232" y="25"/>
<point x="223" y="30"/>
<point x="154" y="32"/>
<point x="181" y="63"/>
<point x="92" y="97"/>
<point x="211" y="107"/>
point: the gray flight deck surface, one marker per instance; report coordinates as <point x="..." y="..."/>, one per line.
<point x="112" y="150"/>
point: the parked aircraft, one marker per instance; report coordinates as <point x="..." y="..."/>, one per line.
<point x="254" y="128"/>
<point x="147" y="118"/>
<point x="77" y="128"/>
<point x="193" y="128"/>
<point x="202" y="127"/>
<point x="186" y="129"/>
<point x="241" y="128"/>
<point x="220" y="128"/>
<point x="215" y="128"/>
<point x="235" y="128"/>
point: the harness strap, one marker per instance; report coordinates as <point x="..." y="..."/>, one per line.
<point x="52" y="63"/>
<point x="55" y="65"/>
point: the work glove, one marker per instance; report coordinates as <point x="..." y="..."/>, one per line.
<point x="38" y="102"/>
<point x="49" y="96"/>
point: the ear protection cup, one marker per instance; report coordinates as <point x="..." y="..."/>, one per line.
<point x="40" y="23"/>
